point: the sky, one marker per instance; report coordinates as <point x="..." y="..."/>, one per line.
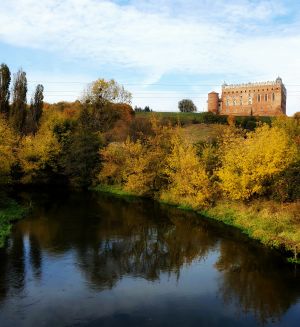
<point x="161" y="50"/>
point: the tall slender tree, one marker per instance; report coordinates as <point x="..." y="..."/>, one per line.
<point x="18" y="107"/>
<point x="4" y="89"/>
<point x="35" y="110"/>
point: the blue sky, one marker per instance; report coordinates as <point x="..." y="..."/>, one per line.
<point x="161" y="50"/>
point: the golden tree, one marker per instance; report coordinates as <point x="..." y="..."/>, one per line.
<point x="248" y="164"/>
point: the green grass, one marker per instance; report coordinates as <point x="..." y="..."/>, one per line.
<point x="185" y="118"/>
<point x="271" y="223"/>
<point x="118" y="191"/>
<point x="9" y="212"/>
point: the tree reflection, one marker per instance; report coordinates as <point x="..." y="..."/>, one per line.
<point x="251" y="280"/>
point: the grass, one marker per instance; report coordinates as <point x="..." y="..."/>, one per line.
<point x="185" y="118"/>
<point x="115" y="190"/>
<point x="9" y="212"/>
<point x="202" y="132"/>
<point x="271" y="223"/>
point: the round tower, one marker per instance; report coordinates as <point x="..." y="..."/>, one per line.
<point x="213" y="102"/>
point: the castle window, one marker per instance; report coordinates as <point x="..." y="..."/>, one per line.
<point x="234" y="101"/>
<point x="241" y="100"/>
<point x="266" y="97"/>
<point x="227" y="102"/>
<point x="273" y="96"/>
<point x="258" y="97"/>
<point x="250" y="99"/>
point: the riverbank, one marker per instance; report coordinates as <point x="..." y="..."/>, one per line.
<point x="273" y="224"/>
<point x="10" y="211"/>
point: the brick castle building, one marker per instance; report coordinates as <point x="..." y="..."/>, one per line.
<point x="251" y="99"/>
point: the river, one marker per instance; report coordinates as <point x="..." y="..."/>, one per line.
<point x="85" y="259"/>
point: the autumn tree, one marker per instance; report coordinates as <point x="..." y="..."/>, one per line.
<point x="4" y="89"/>
<point x="186" y="105"/>
<point x="188" y="182"/>
<point x="38" y="155"/>
<point x="102" y="91"/>
<point x="249" y="164"/>
<point x="137" y="166"/>
<point x="18" y="107"/>
<point x="7" y="156"/>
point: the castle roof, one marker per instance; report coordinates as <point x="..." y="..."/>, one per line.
<point x="253" y="84"/>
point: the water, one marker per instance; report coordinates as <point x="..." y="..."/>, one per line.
<point x="96" y="260"/>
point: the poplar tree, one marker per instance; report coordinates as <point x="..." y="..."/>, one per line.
<point x="18" y="107"/>
<point x="35" y="110"/>
<point x="4" y="89"/>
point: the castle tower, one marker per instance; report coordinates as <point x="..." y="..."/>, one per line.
<point x="213" y="102"/>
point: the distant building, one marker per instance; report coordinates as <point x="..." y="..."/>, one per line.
<point x="251" y="99"/>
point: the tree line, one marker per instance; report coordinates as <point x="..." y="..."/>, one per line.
<point x="23" y="118"/>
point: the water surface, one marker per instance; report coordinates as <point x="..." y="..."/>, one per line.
<point x="95" y="260"/>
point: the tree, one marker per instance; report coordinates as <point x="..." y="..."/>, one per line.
<point x="4" y="89"/>
<point x="250" y="164"/>
<point x="106" y="91"/>
<point x="7" y="157"/>
<point x="137" y="166"/>
<point x="187" y="105"/>
<point x="35" y="110"/>
<point x="38" y="155"/>
<point x="18" y="108"/>
<point x="80" y="149"/>
<point x="188" y="182"/>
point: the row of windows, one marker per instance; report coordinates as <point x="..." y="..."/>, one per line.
<point x="236" y="110"/>
<point x="266" y="97"/>
<point x="239" y="101"/>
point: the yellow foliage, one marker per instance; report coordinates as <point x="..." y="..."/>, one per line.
<point x="113" y="157"/>
<point x="137" y="166"/>
<point x="7" y="144"/>
<point x="38" y="152"/>
<point x="189" y="184"/>
<point x="249" y="163"/>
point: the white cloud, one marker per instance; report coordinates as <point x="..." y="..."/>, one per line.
<point x="228" y="38"/>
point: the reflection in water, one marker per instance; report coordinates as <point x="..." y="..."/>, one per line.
<point x="107" y="239"/>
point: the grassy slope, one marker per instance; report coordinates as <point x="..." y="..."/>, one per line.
<point x="202" y="132"/>
<point x="9" y="212"/>
<point x="274" y="224"/>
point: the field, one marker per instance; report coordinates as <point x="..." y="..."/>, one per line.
<point x="186" y="118"/>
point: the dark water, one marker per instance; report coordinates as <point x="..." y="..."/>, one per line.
<point x="95" y="260"/>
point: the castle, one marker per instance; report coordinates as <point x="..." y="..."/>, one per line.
<point x="251" y="99"/>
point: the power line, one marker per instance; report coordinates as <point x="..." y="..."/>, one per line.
<point x="139" y="84"/>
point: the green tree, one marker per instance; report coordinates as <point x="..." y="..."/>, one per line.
<point x="4" y="89"/>
<point x="186" y="105"/>
<point x="18" y="108"/>
<point x="80" y="155"/>
<point x="35" y="110"/>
